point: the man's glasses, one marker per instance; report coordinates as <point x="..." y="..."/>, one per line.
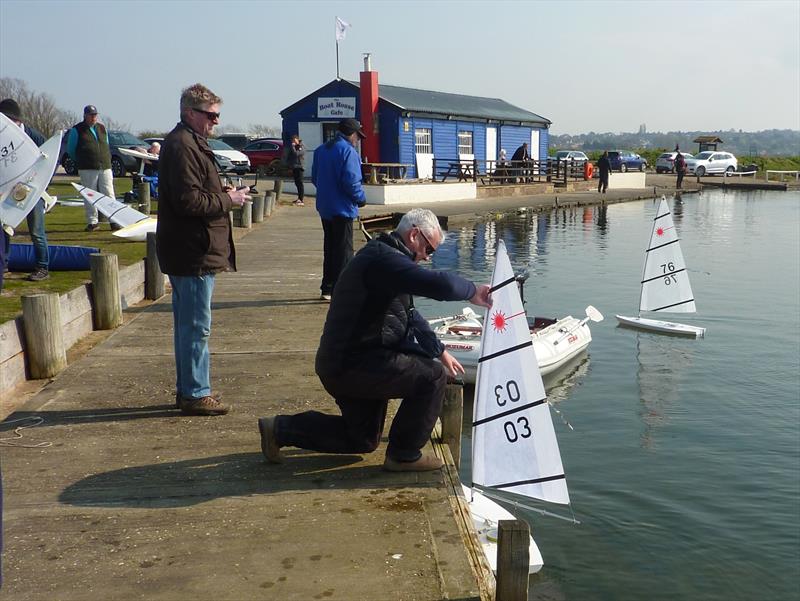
<point x="210" y="115"/>
<point x="429" y="249"/>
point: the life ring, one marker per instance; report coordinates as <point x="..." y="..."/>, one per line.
<point x="588" y="170"/>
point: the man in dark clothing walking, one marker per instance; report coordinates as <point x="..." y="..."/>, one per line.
<point x="336" y="173"/>
<point x="680" y="167"/>
<point x="296" y="155"/>
<point x="604" y="167"/>
<point x="375" y="346"/>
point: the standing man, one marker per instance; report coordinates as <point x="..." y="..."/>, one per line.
<point x="87" y="145"/>
<point x="680" y="168"/>
<point x="604" y="167"/>
<point x="35" y="218"/>
<point x="336" y="173"/>
<point x="295" y="158"/>
<point x="375" y="346"/>
<point x="194" y="242"/>
<point x="522" y="155"/>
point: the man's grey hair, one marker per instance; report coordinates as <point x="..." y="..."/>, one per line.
<point x="198" y="95"/>
<point x="424" y="219"/>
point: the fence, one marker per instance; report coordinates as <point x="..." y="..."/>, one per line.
<point x="492" y="172"/>
<point x="782" y="173"/>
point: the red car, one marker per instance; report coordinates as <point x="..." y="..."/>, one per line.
<point x="265" y="155"/>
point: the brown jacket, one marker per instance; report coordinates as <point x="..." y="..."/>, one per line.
<point x="194" y="234"/>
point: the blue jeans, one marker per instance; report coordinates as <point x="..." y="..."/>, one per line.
<point x="191" y="313"/>
<point x="38" y="236"/>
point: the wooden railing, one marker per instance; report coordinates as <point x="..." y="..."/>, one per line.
<point x="492" y="172"/>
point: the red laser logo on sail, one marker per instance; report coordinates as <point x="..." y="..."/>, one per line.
<point x="660" y="231"/>
<point x="499" y="321"/>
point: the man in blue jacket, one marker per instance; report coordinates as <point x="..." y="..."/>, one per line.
<point x="336" y="174"/>
<point x="375" y="346"/>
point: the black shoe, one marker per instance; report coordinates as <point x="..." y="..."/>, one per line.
<point x="40" y="274"/>
<point x="91" y="227"/>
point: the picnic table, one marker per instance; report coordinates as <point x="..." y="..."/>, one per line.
<point x="461" y="170"/>
<point x="392" y="171"/>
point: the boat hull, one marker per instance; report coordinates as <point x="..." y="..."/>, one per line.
<point x="553" y="345"/>
<point x="485" y="515"/>
<point x="660" y="326"/>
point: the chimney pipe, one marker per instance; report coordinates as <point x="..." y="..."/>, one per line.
<point x="367" y="62"/>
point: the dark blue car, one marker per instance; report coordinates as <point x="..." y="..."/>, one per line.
<point x="624" y="160"/>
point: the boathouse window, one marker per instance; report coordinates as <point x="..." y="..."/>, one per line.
<point x="465" y="142"/>
<point x="422" y="138"/>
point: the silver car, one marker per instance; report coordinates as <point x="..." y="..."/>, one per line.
<point x="712" y="161"/>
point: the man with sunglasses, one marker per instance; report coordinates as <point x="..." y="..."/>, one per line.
<point x="194" y="242"/>
<point x="375" y="346"/>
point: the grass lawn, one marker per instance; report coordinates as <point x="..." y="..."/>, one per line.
<point x="65" y="225"/>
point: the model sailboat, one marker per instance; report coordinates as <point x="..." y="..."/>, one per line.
<point x="665" y="281"/>
<point x="514" y="446"/>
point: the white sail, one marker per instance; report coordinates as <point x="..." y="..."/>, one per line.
<point x="25" y="171"/>
<point x="514" y="446"/>
<point x="135" y="224"/>
<point x="665" y="281"/>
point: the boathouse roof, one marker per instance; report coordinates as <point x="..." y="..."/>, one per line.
<point x="415" y="102"/>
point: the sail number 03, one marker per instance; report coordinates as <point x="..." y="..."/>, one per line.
<point x="666" y="269"/>
<point x="516" y="429"/>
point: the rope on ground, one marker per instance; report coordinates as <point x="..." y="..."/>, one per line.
<point x="15" y="442"/>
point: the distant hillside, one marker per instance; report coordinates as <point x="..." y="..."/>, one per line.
<point x="770" y="142"/>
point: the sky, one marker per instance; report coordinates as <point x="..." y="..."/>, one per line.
<point x="587" y="66"/>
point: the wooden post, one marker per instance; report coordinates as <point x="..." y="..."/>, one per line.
<point x="269" y="203"/>
<point x="143" y="190"/>
<point x="452" y="415"/>
<point x="44" y="341"/>
<point x="277" y="189"/>
<point x="247" y="214"/>
<point x="105" y="291"/>
<point x="258" y="208"/>
<point x="153" y="278"/>
<point x="513" y="558"/>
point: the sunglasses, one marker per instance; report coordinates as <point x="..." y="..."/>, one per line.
<point x="429" y="249"/>
<point x="210" y="115"/>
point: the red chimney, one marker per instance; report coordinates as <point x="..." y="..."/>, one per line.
<point x="370" y="147"/>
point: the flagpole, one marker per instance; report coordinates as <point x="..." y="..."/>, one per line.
<point x="337" y="59"/>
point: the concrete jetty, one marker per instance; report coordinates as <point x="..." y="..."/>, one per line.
<point x="128" y="499"/>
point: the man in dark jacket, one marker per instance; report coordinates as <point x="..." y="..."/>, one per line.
<point x="604" y="167"/>
<point x="680" y="168"/>
<point x="520" y="159"/>
<point x="35" y="218"/>
<point x="296" y="154"/>
<point x="87" y="144"/>
<point x="375" y="346"/>
<point x="336" y="173"/>
<point x="194" y="242"/>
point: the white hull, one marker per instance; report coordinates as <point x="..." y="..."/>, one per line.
<point x="552" y="345"/>
<point x="664" y="327"/>
<point x="485" y="515"/>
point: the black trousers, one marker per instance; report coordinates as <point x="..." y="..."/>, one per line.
<point x="602" y="183"/>
<point x="680" y="179"/>
<point x="297" y="173"/>
<point x="362" y="393"/>
<point x="337" y="250"/>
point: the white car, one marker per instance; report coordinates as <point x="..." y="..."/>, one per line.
<point x="571" y="155"/>
<point x="711" y="161"/>
<point x="229" y="159"/>
<point x="665" y="163"/>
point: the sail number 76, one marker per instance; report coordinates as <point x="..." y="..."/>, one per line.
<point x="519" y="428"/>
<point x="666" y="269"/>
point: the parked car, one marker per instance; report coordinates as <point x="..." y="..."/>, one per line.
<point x="624" y="160"/>
<point x="235" y="141"/>
<point x="265" y="155"/>
<point x="229" y="159"/>
<point x="711" y="162"/>
<point x="571" y="155"/>
<point x="665" y="163"/>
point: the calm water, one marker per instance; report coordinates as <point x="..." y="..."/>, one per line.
<point x="684" y="462"/>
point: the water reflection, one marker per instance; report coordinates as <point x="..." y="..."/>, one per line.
<point x="662" y="360"/>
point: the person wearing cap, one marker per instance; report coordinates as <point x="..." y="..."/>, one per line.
<point x="194" y="242"/>
<point x="375" y="346"/>
<point x="35" y="218"/>
<point x="336" y="174"/>
<point x="87" y="145"/>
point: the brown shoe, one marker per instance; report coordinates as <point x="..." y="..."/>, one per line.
<point x="269" y="443"/>
<point x="178" y="398"/>
<point x="207" y="405"/>
<point x="426" y="463"/>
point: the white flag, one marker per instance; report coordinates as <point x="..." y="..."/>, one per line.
<point x="341" y="29"/>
